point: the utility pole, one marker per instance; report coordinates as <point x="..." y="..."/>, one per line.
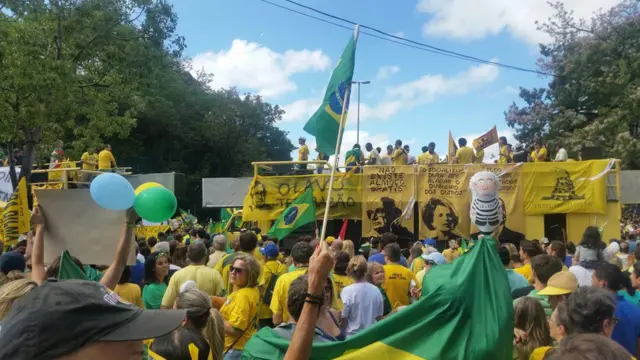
<point x="363" y="82"/>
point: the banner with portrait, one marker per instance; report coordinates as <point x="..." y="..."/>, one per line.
<point x="444" y="198"/>
<point x="388" y="201"/>
<point x="574" y="187"/>
<point x="268" y="196"/>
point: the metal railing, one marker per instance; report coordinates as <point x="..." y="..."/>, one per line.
<point x="74" y="175"/>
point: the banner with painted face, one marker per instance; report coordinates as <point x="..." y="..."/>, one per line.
<point x="574" y="187"/>
<point x="445" y="200"/>
<point x="268" y="196"/>
<point x="388" y="201"/>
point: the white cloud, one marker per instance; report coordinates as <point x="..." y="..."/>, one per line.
<point x="429" y="87"/>
<point x="251" y="66"/>
<point x="386" y="72"/>
<point x="511" y="90"/>
<point x="300" y="109"/>
<point x="381" y="111"/>
<point x="493" y="152"/>
<point x="398" y="34"/>
<point x="466" y="20"/>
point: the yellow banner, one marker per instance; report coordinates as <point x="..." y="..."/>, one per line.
<point x="148" y="231"/>
<point x="445" y="200"/>
<point x="574" y="187"/>
<point x="389" y="195"/>
<point x="16" y="217"/>
<point x="485" y="140"/>
<point x="268" y="196"/>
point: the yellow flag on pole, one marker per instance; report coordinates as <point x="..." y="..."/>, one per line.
<point x="453" y="148"/>
<point x="485" y="140"/>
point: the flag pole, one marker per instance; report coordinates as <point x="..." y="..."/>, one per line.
<point x="334" y="166"/>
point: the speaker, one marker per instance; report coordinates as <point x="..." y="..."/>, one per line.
<point x="592" y="152"/>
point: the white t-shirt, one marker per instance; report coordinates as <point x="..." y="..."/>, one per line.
<point x="562" y="155"/>
<point x="386" y="160"/>
<point x="583" y="275"/>
<point x="374" y="155"/>
<point x="362" y="305"/>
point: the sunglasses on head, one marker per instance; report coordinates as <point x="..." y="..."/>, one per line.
<point x="237" y="270"/>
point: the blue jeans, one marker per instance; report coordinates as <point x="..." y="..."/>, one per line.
<point x="233" y="354"/>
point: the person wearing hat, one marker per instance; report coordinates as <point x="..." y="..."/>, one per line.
<point x="11" y="261"/>
<point x="559" y="287"/>
<point x="272" y="270"/>
<point x="303" y="153"/>
<point x="431" y="259"/>
<point x="108" y="328"/>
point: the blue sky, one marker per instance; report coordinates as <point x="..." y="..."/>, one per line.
<point x="414" y="95"/>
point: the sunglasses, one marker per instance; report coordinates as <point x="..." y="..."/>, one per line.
<point x="236" y="270"/>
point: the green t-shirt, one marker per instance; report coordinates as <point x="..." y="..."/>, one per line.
<point x="385" y="299"/>
<point x="543" y="299"/>
<point x="152" y="295"/>
<point x="635" y="299"/>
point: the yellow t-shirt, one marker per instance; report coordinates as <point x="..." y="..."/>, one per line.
<point x="130" y="293"/>
<point x="540" y="155"/>
<point x="270" y="268"/>
<point x="525" y="271"/>
<point x="105" y="159"/>
<point x="281" y="291"/>
<point x="503" y="154"/>
<point x="341" y="282"/>
<point x="539" y="353"/>
<point x="258" y="255"/>
<point x="465" y="155"/>
<point x="416" y="265"/>
<point x="206" y="278"/>
<point x="86" y="157"/>
<point x="426" y="158"/>
<point x="224" y="265"/>
<point x="303" y="153"/>
<point x="397" y="283"/>
<point x="240" y="310"/>
<point x="420" y="278"/>
<point x="480" y="157"/>
<point x="399" y="157"/>
<point x="451" y="255"/>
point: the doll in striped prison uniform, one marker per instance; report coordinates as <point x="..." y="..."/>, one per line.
<point x="485" y="211"/>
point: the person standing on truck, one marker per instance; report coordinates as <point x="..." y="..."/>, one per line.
<point x="303" y="153"/>
<point x="106" y="161"/>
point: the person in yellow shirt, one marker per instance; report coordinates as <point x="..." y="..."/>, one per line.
<point x="422" y="158"/>
<point x="272" y="270"/>
<point x="504" y="151"/>
<point x="539" y="152"/>
<point x="127" y="291"/>
<point x="479" y="156"/>
<point x="452" y="252"/>
<point x="300" y="253"/>
<point x="528" y="250"/>
<point x="417" y="263"/>
<point x="89" y="160"/>
<point x="247" y="242"/>
<point x="340" y="277"/>
<point x="433" y="158"/>
<point x="206" y="279"/>
<point x="465" y="154"/>
<point x="398" y="279"/>
<point x="399" y="156"/>
<point x="106" y="161"/>
<point x="240" y="310"/>
<point x="303" y="152"/>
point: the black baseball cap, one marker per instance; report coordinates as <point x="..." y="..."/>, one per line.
<point x="60" y="317"/>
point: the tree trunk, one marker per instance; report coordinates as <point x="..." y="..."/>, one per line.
<point x="12" y="166"/>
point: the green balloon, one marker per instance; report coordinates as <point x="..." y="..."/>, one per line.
<point x="156" y="204"/>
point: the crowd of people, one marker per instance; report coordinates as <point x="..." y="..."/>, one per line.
<point x="189" y="296"/>
<point x="399" y="154"/>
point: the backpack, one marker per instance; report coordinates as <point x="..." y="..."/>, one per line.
<point x="268" y="292"/>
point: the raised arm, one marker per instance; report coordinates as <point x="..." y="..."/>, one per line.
<point x="37" y="251"/>
<point x="114" y="272"/>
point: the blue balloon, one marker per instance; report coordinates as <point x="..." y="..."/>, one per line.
<point x="112" y="191"/>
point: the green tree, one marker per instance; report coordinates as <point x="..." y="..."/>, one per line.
<point x="593" y="98"/>
<point x="71" y="69"/>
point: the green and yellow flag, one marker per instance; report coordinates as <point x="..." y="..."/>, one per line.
<point x="69" y="270"/>
<point x="325" y="123"/>
<point x="465" y="313"/>
<point x="301" y="212"/>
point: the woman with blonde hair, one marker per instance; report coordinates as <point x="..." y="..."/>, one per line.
<point x="363" y="303"/>
<point x="375" y="276"/>
<point x="531" y="327"/>
<point x="241" y="307"/>
<point x="349" y="248"/>
<point x="12" y="291"/>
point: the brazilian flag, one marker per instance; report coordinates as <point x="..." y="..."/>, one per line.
<point x="301" y="212"/>
<point x="325" y="123"/>
<point x="465" y="312"/>
<point x="69" y="270"/>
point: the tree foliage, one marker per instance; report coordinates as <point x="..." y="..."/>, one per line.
<point x="92" y="72"/>
<point x="593" y="98"/>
